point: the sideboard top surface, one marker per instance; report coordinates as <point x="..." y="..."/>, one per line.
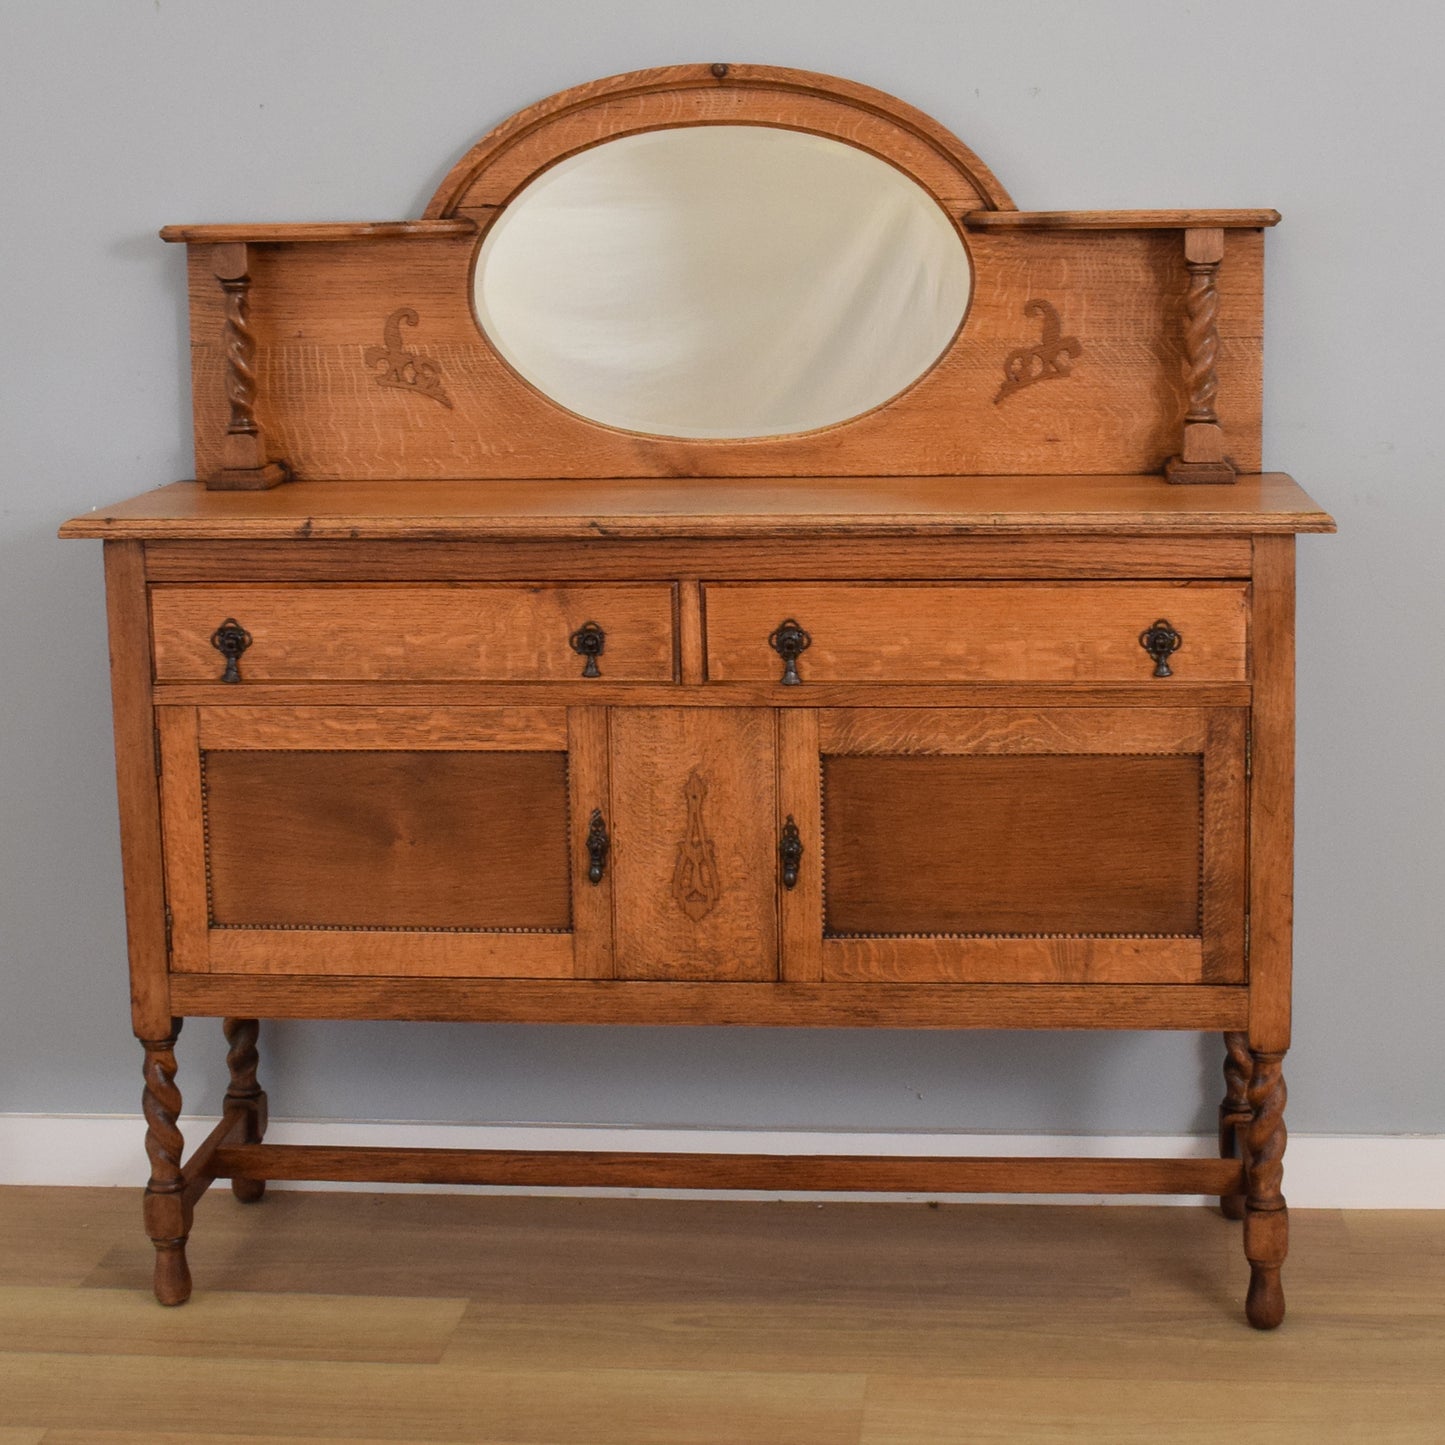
<point x="709" y="507"/>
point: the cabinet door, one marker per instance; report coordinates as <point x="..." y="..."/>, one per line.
<point x="384" y="840"/>
<point x="695" y="795"/>
<point x="1060" y="845"/>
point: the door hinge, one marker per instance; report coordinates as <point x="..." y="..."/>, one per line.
<point x="1246" y="937"/>
<point x="156" y="745"/>
<point x="1249" y="753"/>
<point x="169" y="924"/>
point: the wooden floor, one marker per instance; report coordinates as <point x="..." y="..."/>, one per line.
<point x="392" y="1317"/>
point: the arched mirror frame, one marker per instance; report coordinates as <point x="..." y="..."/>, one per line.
<point x="500" y="166"/>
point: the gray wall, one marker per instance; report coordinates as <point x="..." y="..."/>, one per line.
<point x="120" y="116"/>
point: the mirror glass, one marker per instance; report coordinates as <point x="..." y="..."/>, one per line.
<point x="722" y="281"/>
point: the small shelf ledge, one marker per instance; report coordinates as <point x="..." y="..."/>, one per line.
<point x="293" y="233"/>
<point x="1118" y="220"/>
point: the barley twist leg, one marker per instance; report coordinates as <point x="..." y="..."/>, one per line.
<point x="167" y="1215"/>
<point x="245" y="1093"/>
<point x="1234" y="1112"/>
<point x="1266" y="1219"/>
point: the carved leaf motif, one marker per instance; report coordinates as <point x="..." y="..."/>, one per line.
<point x="695" y="882"/>
<point x="1049" y="359"/>
<point x="407" y="370"/>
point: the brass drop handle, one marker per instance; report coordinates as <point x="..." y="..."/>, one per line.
<point x="589" y="641"/>
<point x="790" y="852"/>
<point x="1160" y="641"/>
<point x="230" y="639"/>
<point x="789" y="640"/>
<point x="597" y="845"/>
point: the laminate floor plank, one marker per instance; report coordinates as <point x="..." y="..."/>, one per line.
<point x="504" y="1320"/>
<point x="554" y="1250"/>
<point x="59" y="1236"/>
<point x="218" y="1323"/>
<point x="1387" y="1231"/>
<point x="408" y="1402"/>
<point x="1142" y="1337"/>
<point x="242" y="1434"/>
<point x="917" y="1410"/>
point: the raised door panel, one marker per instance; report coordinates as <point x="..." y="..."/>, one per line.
<point x="695" y="845"/>
<point x="1067" y="845"/>
<point x="382" y="841"/>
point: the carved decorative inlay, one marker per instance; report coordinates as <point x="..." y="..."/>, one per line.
<point x="695" y="882"/>
<point x="396" y="366"/>
<point x="1049" y="359"/>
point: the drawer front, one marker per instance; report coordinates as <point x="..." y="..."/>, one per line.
<point x="959" y="632"/>
<point x="466" y="632"/>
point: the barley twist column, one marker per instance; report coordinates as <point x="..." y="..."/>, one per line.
<point x="1201" y="458"/>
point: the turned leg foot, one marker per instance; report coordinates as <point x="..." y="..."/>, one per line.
<point x="1234" y="1112"/>
<point x="246" y="1094"/>
<point x="167" y="1213"/>
<point x="1266" y="1219"/>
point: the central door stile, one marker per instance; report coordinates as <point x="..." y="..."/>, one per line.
<point x="800" y="908"/>
<point x="696" y="843"/>
<point x="590" y="803"/>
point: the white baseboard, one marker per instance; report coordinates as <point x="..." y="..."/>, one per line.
<point x="1322" y="1171"/>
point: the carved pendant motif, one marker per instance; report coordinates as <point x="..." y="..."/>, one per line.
<point x="1049" y="359"/>
<point x="695" y="882"/>
<point x="396" y="366"/>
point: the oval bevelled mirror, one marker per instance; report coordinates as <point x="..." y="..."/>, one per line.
<point x="722" y="281"/>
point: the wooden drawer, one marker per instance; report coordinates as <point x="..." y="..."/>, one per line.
<point x="964" y="632"/>
<point x="468" y="632"/>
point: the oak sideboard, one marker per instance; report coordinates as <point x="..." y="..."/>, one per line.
<point x="555" y="635"/>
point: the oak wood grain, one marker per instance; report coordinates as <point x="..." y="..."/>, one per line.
<point x="829" y="507"/>
<point x="996" y="844"/>
<point x="589" y="783"/>
<point x="681" y="94"/>
<point x="1040" y="961"/>
<point x="890" y="632"/>
<point x="137" y="787"/>
<point x="398" y="633"/>
<point x="1012" y="731"/>
<point x="368" y="839"/>
<point x="694" y="801"/>
<point x="1029" y="697"/>
<point x="1118" y="220"/>
<point x="1212" y="1008"/>
<point x="627" y="1169"/>
<point x="952" y="558"/>
<point x="1271" y="816"/>
<point x="800" y="798"/>
<point x="417" y="729"/>
<point x="295" y="232"/>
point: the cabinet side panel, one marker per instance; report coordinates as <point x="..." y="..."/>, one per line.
<point x="695" y="850"/>
<point x="1271" y="796"/>
<point x="136" y="787"/>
